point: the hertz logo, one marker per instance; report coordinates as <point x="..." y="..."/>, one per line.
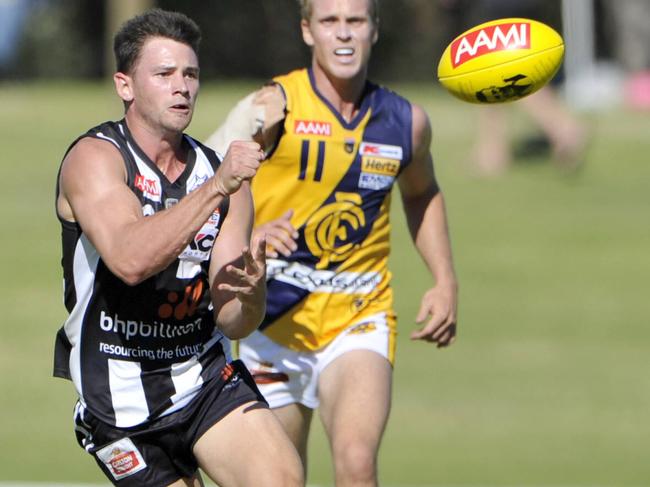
<point x="380" y="165"/>
<point x="327" y="231"/>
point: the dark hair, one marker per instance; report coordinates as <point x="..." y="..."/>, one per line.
<point x="156" y="22"/>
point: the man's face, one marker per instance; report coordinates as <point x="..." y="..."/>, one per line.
<point x="164" y="84"/>
<point x="341" y="33"/>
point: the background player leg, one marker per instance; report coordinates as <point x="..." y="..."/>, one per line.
<point x="296" y="419"/>
<point x="355" y="394"/>
<point x="249" y="447"/>
<point x="565" y="132"/>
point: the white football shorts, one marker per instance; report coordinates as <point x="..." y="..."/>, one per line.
<point x="285" y="376"/>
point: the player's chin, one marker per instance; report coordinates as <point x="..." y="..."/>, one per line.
<point x="346" y="70"/>
<point x="178" y="121"/>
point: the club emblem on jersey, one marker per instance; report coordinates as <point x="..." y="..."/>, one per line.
<point x="327" y="232"/>
<point x="348" y="145"/>
<point x="196" y="181"/>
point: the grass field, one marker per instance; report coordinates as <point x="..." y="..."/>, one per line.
<point x="549" y="382"/>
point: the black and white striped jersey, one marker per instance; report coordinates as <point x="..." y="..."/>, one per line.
<point x="139" y="352"/>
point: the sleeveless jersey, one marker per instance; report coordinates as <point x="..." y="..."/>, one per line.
<point x="139" y="352"/>
<point x="337" y="177"/>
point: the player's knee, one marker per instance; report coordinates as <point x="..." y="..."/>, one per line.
<point x="356" y="462"/>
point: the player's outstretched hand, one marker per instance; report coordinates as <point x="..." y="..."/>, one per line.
<point x="240" y="164"/>
<point x="280" y="235"/>
<point x="249" y="284"/>
<point x="438" y="313"/>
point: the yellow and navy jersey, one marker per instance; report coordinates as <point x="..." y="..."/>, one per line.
<point x="337" y="176"/>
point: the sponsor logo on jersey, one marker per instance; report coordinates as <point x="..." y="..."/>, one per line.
<point x="122" y="458"/>
<point x="186" y="308"/>
<point x="123" y="462"/>
<point x="323" y="281"/>
<point x="378" y="173"/>
<point x="149" y="187"/>
<point x="139" y="329"/>
<point x="380" y="165"/>
<point x="199" y="248"/>
<point x="381" y="150"/>
<point x="312" y="127"/>
<point x="375" y="182"/>
<point x="494" y="38"/>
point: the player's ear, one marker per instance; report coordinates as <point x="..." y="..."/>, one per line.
<point x="123" y="86"/>
<point x="375" y="35"/>
<point x="306" y="33"/>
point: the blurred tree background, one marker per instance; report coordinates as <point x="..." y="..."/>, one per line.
<point x="252" y="39"/>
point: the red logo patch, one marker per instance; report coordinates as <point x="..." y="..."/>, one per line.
<point x="311" y="127"/>
<point x="124" y="463"/>
<point x="500" y="37"/>
<point x="147" y="186"/>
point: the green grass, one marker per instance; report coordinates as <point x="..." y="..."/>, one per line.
<point x="549" y="382"/>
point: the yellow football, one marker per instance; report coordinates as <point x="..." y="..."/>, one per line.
<point x="501" y="60"/>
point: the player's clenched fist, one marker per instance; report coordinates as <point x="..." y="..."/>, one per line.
<point x="240" y="164"/>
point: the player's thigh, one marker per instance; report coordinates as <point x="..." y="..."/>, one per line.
<point x="249" y="447"/>
<point x="355" y="397"/>
<point x="296" y="421"/>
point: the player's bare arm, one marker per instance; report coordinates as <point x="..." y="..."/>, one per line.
<point x="426" y="216"/>
<point x="238" y="270"/>
<point x="94" y="194"/>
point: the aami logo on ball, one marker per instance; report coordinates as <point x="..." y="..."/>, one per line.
<point x="489" y="39"/>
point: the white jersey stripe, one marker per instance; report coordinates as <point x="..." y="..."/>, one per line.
<point x="187" y="379"/>
<point x="85" y="263"/>
<point x="129" y="402"/>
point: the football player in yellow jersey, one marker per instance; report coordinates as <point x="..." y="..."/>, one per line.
<point x="336" y="144"/>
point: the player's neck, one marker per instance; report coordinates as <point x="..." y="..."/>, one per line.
<point x="343" y="94"/>
<point x="164" y="149"/>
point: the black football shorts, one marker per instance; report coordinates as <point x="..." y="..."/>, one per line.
<point x="160" y="452"/>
